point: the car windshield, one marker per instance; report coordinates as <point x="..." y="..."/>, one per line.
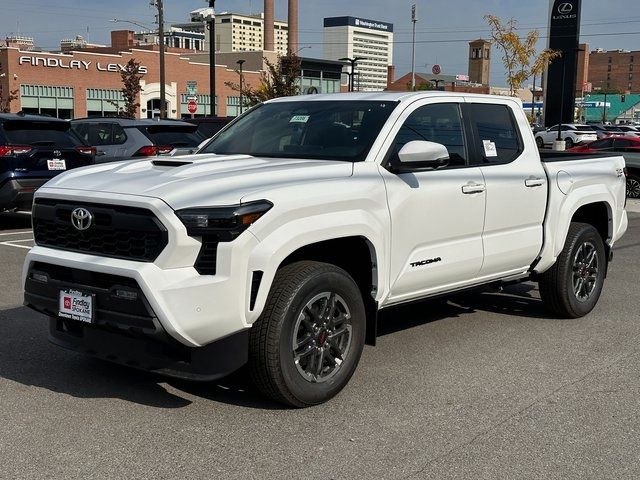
<point x="43" y="134"/>
<point x="324" y="130"/>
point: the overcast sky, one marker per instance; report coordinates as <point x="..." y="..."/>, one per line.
<point x="444" y="28"/>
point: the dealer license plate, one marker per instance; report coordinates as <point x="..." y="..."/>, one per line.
<point x="57" y="164"/>
<point x="76" y="305"/>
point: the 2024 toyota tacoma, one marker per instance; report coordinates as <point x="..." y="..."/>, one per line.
<point x="280" y="241"/>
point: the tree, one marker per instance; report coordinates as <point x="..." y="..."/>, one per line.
<point x="421" y="86"/>
<point x="6" y="99"/>
<point x="519" y="55"/>
<point x="131" y="88"/>
<point x="279" y="80"/>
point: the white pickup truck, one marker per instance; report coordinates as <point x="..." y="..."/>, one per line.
<point x="277" y="245"/>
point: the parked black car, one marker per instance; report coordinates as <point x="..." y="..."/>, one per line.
<point x="125" y="138"/>
<point x="34" y="149"/>
<point x="209" y="126"/>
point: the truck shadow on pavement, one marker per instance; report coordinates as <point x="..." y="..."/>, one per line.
<point x="27" y="357"/>
<point x="15" y="221"/>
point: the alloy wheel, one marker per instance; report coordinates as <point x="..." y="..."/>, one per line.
<point x="585" y="271"/>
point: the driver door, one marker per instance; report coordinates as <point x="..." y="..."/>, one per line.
<point x="437" y="216"/>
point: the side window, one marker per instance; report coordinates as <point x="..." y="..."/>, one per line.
<point x="119" y="137"/>
<point x="81" y="131"/>
<point x="603" y="144"/>
<point x="439" y="123"/>
<point x="495" y="132"/>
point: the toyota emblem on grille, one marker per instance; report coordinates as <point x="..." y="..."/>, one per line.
<point x="81" y="219"/>
<point x="57" y="153"/>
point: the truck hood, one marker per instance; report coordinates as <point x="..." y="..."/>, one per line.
<point x="198" y="180"/>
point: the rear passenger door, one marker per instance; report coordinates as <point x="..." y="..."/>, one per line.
<point x="516" y="186"/>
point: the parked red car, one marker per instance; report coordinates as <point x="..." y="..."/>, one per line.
<point x="629" y="147"/>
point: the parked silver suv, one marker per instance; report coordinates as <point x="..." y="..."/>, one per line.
<point x="122" y="138"/>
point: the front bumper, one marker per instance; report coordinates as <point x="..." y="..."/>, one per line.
<point x="18" y="194"/>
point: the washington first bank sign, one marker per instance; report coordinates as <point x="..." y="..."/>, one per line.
<point x="82" y="65"/>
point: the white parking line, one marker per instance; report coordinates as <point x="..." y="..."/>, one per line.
<point x="15" y="233"/>
<point x="9" y="244"/>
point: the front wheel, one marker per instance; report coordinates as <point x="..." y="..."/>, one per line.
<point x="539" y="142"/>
<point x="307" y="343"/>
<point x="633" y="186"/>
<point x="572" y="287"/>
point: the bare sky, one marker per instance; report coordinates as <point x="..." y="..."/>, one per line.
<point x="443" y="30"/>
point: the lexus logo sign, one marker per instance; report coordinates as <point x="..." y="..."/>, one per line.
<point x="565" y="8"/>
<point x="81" y="219"/>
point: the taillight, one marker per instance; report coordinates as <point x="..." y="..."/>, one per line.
<point x="147" y="151"/>
<point x="164" y="149"/>
<point x="8" y="150"/>
<point x="86" y="150"/>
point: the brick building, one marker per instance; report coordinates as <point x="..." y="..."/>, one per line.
<point x="87" y="82"/>
<point x="618" y="69"/>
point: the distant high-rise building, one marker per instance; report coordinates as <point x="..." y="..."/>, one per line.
<point x="614" y="69"/>
<point x="479" y="61"/>
<point x="351" y="37"/>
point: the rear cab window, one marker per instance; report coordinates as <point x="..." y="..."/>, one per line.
<point x="495" y="133"/>
<point x="99" y="134"/>
<point x="173" y="135"/>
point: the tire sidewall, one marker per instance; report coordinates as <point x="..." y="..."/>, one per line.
<point x="588" y="234"/>
<point x="334" y="281"/>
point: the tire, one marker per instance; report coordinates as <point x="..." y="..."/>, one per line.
<point x="539" y="142"/>
<point x="295" y="307"/>
<point x="633" y="186"/>
<point x="569" y="143"/>
<point x="560" y="287"/>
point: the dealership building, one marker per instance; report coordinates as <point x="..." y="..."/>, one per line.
<point x="88" y="83"/>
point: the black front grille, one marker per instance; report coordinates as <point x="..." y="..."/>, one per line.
<point x="117" y="231"/>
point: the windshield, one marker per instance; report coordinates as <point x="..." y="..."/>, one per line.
<point x="325" y="130"/>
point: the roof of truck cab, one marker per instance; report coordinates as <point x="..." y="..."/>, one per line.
<point x="389" y="96"/>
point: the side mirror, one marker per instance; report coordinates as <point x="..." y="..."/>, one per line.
<point x="420" y="155"/>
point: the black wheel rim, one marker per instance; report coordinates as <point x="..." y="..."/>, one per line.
<point x="633" y="188"/>
<point x="585" y="271"/>
<point x="322" y="337"/>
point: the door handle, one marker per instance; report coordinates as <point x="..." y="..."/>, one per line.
<point x="471" y="188"/>
<point x="534" y="182"/>
<point x="100" y="153"/>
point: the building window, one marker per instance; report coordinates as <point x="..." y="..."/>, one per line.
<point x="609" y="59"/>
<point x="47" y="100"/>
<point x="225" y="20"/>
<point x="104" y="103"/>
<point x="204" y="108"/>
<point x="609" y="68"/>
<point x="233" y="106"/>
<point x="486" y="53"/>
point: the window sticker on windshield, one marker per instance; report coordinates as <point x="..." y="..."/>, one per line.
<point x="489" y="148"/>
<point x="299" y="119"/>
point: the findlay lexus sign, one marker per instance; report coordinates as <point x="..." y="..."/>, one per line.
<point x="82" y="65"/>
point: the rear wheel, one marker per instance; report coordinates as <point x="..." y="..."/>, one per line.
<point x="572" y="287"/>
<point x="539" y="142"/>
<point x="633" y="186"/>
<point x="307" y="343"/>
<point x="568" y="142"/>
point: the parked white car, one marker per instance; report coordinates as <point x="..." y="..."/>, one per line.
<point x="572" y="133"/>
<point x="277" y="245"/>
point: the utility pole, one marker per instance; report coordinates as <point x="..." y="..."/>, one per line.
<point x="353" y="62"/>
<point x="212" y="59"/>
<point x="604" y="110"/>
<point x="240" y="62"/>
<point x="163" y="89"/>
<point x="414" y="20"/>
<point x="533" y="103"/>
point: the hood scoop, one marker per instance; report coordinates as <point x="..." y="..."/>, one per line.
<point x="170" y="163"/>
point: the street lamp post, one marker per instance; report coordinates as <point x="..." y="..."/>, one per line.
<point x="353" y="62"/>
<point x="559" y="137"/>
<point x="240" y="62"/>
<point x="414" y="20"/>
<point x="212" y="59"/>
<point x="604" y="109"/>
<point x="163" y="88"/>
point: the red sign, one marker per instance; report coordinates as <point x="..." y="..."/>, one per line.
<point x="192" y="106"/>
<point x="436" y="69"/>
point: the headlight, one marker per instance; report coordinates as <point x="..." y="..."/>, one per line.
<point x="225" y="223"/>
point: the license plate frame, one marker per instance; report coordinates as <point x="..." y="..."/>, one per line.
<point x="57" y="164"/>
<point x="77" y="305"/>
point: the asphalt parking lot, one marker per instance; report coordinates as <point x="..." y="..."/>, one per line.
<point x="484" y="385"/>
